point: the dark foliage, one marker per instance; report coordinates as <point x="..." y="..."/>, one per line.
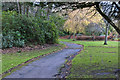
<point x="19" y="30"/>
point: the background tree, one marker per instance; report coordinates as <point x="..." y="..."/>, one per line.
<point x="112" y="7"/>
<point x="80" y="18"/>
<point x="94" y="28"/>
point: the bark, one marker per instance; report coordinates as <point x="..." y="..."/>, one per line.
<point x="74" y="37"/>
<point x="27" y="10"/>
<point x="24" y="9"/>
<point x="18" y="4"/>
<point x="107" y="18"/>
<point x="20" y="10"/>
<point x="93" y="36"/>
<point x="119" y="23"/>
<point x="37" y="12"/>
<point x="70" y="36"/>
<point x="106" y="34"/>
<point x="48" y="11"/>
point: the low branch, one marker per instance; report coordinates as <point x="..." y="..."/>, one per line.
<point x="107" y="18"/>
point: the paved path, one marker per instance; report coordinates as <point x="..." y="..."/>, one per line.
<point x="47" y="66"/>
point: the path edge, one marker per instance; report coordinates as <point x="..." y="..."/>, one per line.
<point x="65" y="69"/>
<point x="28" y="61"/>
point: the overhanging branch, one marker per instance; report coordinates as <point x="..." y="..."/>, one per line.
<point x="107" y="18"/>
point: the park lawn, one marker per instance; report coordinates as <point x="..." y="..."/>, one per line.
<point x="11" y="60"/>
<point x="95" y="60"/>
<point x="0" y="63"/>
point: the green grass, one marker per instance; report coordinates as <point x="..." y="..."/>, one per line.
<point x="95" y="59"/>
<point x="11" y="60"/>
<point x="0" y="63"/>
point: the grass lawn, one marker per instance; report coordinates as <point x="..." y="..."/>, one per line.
<point x="11" y="60"/>
<point x="96" y="60"/>
<point x="0" y="63"/>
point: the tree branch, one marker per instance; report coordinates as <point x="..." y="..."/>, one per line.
<point x="107" y="18"/>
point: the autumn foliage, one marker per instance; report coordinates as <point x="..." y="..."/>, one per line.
<point x="80" y="18"/>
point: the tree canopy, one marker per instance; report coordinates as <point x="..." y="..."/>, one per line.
<point x="80" y="18"/>
<point x="110" y="11"/>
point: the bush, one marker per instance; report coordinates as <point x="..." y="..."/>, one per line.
<point x="51" y="33"/>
<point x="84" y="38"/>
<point x="12" y="39"/>
<point x="19" y="30"/>
<point x="59" y="23"/>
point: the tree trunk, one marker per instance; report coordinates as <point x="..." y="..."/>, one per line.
<point x="70" y="36"/>
<point x="19" y="7"/>
<point x="37" y="12"/>
<point x="93" y="36"/>
<point x="24" y="9"/>
<point x="74" y="37"/>
<point x="119" y="24"/>
<point x="27" y="10"/>
<point x="106" y="34"/>
<point x="48" y="11"/>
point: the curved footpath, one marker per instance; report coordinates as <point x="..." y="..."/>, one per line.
<point x="47" y="66"/>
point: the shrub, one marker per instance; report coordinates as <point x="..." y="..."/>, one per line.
<point x="84" y="38"/>
<point x="59" y="23"/>
<point x="51" y="33"/>
<point x="19" y="30"/>
<point x="12" y="39"/>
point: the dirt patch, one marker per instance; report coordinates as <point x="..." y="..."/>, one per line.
<point x="108" y="52"/>
<point x="67" y="36"/>
<point x="27" y="48"/>
<point x="102" y="46"/>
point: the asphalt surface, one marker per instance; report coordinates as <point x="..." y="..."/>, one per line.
<point x="47" y="66"/>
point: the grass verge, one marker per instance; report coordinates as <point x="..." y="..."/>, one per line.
<point x="11" y="60"/>
<point x="96" y="60"/>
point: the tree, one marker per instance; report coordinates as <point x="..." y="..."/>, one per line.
<point x="114" y="7"/>
<point x="79" y="19"/>
<point x="98" y="6"/>
<point x="94" y="28"/>
<point x="75" y="23"/>
<point x="107" y="18"/>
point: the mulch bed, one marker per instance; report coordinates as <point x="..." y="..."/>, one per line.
<point x="27" y="48"/>
<point x="82" y="39"/>
<point x="67" y="36"/>
<point x="102" y="46"/>
<point x="108" y="52"/>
